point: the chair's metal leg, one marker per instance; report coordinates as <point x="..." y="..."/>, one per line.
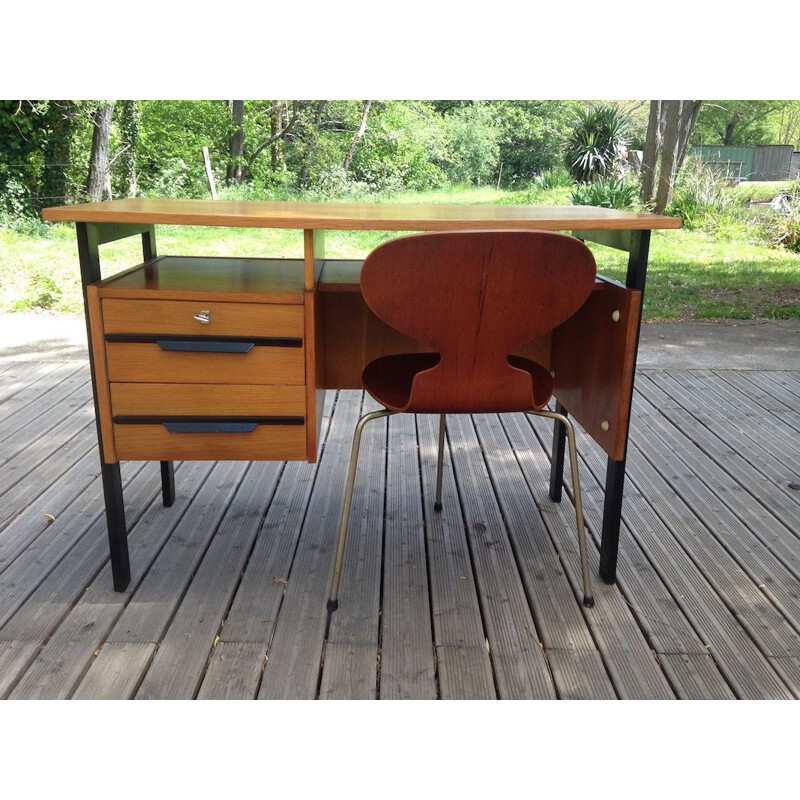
<point x="437" y="506"/>
<point x="588" y="598"/>
<point x="333" y="601"/>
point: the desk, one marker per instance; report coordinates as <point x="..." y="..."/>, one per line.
<point x="210" y="358"/>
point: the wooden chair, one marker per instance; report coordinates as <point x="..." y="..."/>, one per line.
<point x="473" y="297"/>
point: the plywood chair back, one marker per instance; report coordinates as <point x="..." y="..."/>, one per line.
<point x="474" y="297"/>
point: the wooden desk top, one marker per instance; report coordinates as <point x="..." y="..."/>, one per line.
<point x="356" y="216"/>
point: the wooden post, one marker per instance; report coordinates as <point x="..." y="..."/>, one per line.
<point x="209" y="173"/>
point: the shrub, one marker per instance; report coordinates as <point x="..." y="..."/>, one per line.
<point x="699" y="193"/>
<point x="604" y="193"/>
<point x="783" y="227"/>
<point x="600" y="134"/>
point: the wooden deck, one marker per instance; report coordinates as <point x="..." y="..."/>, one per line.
<point x="229" y="585"/>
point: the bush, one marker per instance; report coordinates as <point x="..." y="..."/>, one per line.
<point x="699" y="192"/>
<point x="606" y="194"/>
<point x="554" y="179"/>
<point x="783" y="226"/>
<point x="594" y="146"/>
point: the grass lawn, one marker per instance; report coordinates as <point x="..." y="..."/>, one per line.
<point x="691" y="274"/>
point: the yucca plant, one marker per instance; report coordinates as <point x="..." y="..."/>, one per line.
<point x="604" y="193"/>
<point x="600" y="133"/>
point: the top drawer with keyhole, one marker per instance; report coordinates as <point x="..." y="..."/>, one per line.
<point x="202" y="318"/>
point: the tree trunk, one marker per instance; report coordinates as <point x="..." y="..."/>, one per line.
<point x="129" y="136"/>
<point x="310" y="141"/>
<point x="98" y="162"/>
<point x="57" y="153"/>
<point x="357" y="137"/>
<point x="681" y="116"/>
<point x="279" y="108"/>
<point x="233" y="173"/>
<point x="652" y="148"/>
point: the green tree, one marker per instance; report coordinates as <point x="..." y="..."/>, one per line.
<point x="472" y="153"/>
<point x="732" y="122"/>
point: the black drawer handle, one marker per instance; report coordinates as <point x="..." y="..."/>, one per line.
<point x="210" y="427"/>
<point x="208" y="346"/>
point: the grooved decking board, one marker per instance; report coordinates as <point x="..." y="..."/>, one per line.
<point x="292" y="670"/>
<point x="739" y="659"/>
<point x="116" y="671"/>
<point x="736" y="526"/>
<point x="52" y="385"/>
<point x="626" y="653"/>
<point x="178" y="667"/>
<point x="234" y="671"/>
<point x="580" y="675"/>
<point x="51" y="542"/>
<point x="705" y="433"/>
<point x="145" y="539"/>
<point x="464" y="667"/>
<point x="15" y="657"/>
<point x="154" y="602"/>
<point x="407" y="661"/>
<point x="41" y="612"/>
<point x="520" y="668"/>
<point x="33" y="475"/>
<point x="23" y="375"/>
<point x="464" y="672"/>
<point x="704" y="584"/>
<point x="695" y="674"/>
<point x="353" y="634"/>
<point x="778" y="443"/>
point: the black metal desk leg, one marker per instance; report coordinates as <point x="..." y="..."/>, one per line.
<point x="167" y="483"/>
<point x="557" y="464"/>
<point x="117" y="530"/>
<point x="612" y="515"/>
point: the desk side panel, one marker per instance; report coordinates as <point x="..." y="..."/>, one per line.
<point x="593" y="357"/>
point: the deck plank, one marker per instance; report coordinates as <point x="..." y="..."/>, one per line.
<point x="520" y="668"/>
<point x="116" y="671"/>
<point x="464" y="669"/>
<point x="353" y="639"/>
<point x="408" y="669"/>
<point x="177" y="669"/>
<point x="295" y="655"/>
<point x="627" y="655"/>
<point x="234" y="671"/>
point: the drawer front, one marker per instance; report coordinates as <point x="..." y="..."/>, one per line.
<point x="173" y="399"/>
<point x="264" y="443"/>
<point x="148" y="363"/>
<point x="225" y="319"/>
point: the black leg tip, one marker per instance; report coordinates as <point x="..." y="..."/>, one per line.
<point x="437" y="506"/>
<point x="588" y="601"/>
<point x="333" y="605"/>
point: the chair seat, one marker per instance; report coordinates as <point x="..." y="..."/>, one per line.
<point x="388" y="379"/>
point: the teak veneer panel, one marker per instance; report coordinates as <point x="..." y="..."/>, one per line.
<point x="176" y="317"/>
<point x="147" y="363"/>
<point x="356" y="216"/>
<point x="593" y="360"/>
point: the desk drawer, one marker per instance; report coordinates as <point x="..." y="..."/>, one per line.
<point x="154" y="442"/>
<point x="146" y="362"/>
<point x="187" y="399"/>
<point x="225" y="319"/>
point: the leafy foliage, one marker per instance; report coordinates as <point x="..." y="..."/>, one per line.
<point x="606" y="193"/>
<point x="593" y="147"/>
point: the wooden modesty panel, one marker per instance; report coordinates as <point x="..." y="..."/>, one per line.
<point x="352" y="336"/>
<point x="593" y="357"/>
